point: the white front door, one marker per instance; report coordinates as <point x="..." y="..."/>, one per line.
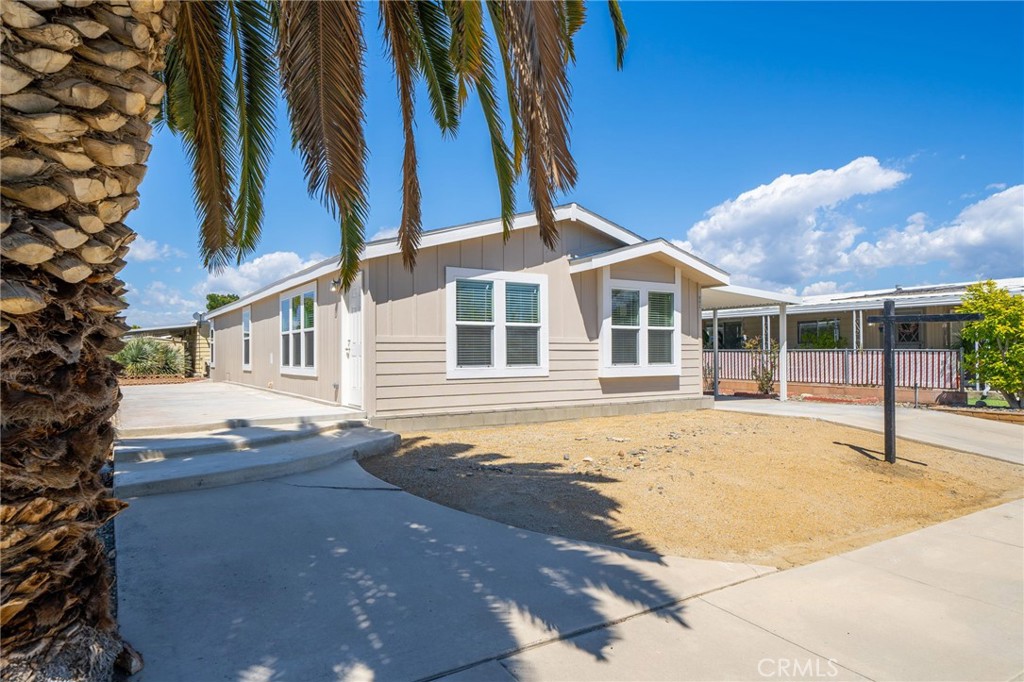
<point x="352" y="345"/>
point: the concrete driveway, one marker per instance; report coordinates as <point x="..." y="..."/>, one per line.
<point x="998" y="440"/>
<point x="334" y="575"/>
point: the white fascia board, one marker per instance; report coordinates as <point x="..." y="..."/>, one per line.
<point x="486" y="228"/>
<point x="654" y="247"/>
<point x="816" y="308"/>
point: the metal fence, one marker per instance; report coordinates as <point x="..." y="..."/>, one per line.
<point x="924" y="368"/>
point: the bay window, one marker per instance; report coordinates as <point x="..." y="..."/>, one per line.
<point x="497" y="324"/>
<point x="298" y="332"/>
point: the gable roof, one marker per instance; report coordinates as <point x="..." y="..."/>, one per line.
<point x="446" y="235"/>
<point x="698" y="270"/>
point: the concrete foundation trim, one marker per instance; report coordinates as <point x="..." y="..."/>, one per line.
<point x="433" y="422"/>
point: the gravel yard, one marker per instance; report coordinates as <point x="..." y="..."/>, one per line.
<point x="771" y="490"/>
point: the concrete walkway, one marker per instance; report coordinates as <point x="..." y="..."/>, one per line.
<point x="999" y="440"/>
<point x="943" y="603"/>
<point x="208" y="405"/>
<point x="335" y="575"/>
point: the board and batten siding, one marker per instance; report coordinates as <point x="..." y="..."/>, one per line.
<point x="265" y="348"/>
<point x="407" y="318"/>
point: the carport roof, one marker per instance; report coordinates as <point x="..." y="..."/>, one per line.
<point x="731" y="296"/>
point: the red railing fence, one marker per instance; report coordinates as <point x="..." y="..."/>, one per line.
<point x="940" y="369"/>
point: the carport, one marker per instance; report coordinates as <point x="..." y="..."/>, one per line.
<point x="731" y="297"/>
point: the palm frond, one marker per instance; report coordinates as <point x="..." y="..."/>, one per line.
<point x="537" y="54"/>
<point x="255" y="84"/>
<point x="430" y="38"/>
<point x="496" y="10"/>
<point x="176" y="109"/>
<point x="621" y="34"/>
<point x="399" y="23"/>
<point x="321" y="57"/>
<point x="475" y="66"/>
<point x="204" y="119"/>
<point x="575" y="15"/>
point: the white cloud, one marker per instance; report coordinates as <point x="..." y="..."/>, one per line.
<point x="257" y="273"/>
<point x="996" y="185"/>
<point x="384" y="233"/>
<point x="985" y="239"/>
<point x="823" y="287"/>
<point x="159" y="303"/>
<point x="143" y="250"/>
<point x="784" y="232"/>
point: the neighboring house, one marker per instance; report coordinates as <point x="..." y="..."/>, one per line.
<point x="191" y="338"/>
<point x="843" y="317"/>
<point x="482" y="330"/>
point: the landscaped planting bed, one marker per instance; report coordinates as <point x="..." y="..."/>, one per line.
<point x="715" y="485"/>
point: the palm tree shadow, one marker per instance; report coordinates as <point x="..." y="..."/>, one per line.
<point x="875" y="454"/>
<point x="543" y="497"/>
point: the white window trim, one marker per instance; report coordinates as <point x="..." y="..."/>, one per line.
<point x="607" y="369"/>
<point x="301" y="371"/>
<point x="213" y="344"/>
<point x="498" y="347"/>
<point x="247" y="366"/>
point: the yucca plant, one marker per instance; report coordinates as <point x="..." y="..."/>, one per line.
<point x="81" y="83"/>
<point x="145" y="357"/>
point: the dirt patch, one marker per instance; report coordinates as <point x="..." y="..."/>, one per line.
<point x="713" y="485"/>
<point x="152" y="381"/>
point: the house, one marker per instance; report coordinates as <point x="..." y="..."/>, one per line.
<point x="840" y="317"/>
<point x="190" y="337"/>
<point x="482" y="330"/>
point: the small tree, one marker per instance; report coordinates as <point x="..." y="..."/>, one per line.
<point x="764" y="364"/>
<point x="214" y="301"/>
<point x="822" y="339"/>
<point x="999" y="337"/>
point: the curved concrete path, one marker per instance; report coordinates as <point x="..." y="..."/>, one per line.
<point x="335" y="575"/>
<point x="998" y="440"/>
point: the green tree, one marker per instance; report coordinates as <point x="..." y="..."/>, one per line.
<point x="214" y="301"/>
<point x="83" y="83"/>
<point x="999" y="337"/>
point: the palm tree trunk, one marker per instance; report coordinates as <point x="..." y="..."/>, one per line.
<point x="77" y="96"/>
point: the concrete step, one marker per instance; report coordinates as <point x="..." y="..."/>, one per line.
<point x="156" y="448"/>
<point x="340" y="415"/>
<point x="137" y="479"/>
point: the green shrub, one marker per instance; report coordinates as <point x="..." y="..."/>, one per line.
<point x="149" y="357"/>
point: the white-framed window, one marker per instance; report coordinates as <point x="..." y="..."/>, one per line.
<point x="247" y="338"/>
<point x="298" y="331"/>
<point x="213" y="348"/>
<point x="640" y="328"/>
<point x="497" y="323"/>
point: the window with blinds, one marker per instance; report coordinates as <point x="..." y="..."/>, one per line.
<point x="625" y="327"/>
<point x="660" y="327"/>
<point x="497" y="324"/>
<point x="522" y="324"/>
<point x="298" y="332"/>
<point x="247" y="337"/>
<point x="640" y="329"/>
<point x="474" y="321"/>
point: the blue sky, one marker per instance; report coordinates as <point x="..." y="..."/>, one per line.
<point x="802" y="147"/>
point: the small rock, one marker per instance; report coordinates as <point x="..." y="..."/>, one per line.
<point x="431" y="468"/>
<point x="582" y="438"/>
<point x="588" y="459"/>
<point x="674" y="436"/>
<point x="565" y="457"/>
<point x="616" y="439"/>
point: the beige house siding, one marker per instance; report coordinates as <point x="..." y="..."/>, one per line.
<point x="265" y="339"/>
<point x="410" y="318"/>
